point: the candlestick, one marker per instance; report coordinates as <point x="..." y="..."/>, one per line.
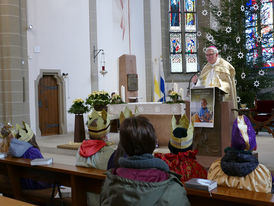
<point x="123" y="93"/>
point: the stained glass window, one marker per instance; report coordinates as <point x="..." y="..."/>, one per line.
<point x="190" y="24"/>
<point x="190" y="6"/>
<point x="191" y="62"/>
<point x="175" y="43"/>
<point x="175" y="25"/>
<point x="176" y="63"/>
<point x="183" y="56"/>
<point x="259" y="31"/>
<point x="190" y="40"/>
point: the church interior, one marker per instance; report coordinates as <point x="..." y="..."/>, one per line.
<point x="73" y="73"/>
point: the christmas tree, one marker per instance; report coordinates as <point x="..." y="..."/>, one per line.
<point x="237" y="33"/>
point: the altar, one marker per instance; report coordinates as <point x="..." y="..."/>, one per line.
<point x="159" y="115"/>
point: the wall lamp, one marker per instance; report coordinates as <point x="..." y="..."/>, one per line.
<point x="96" y="52"/>
<point x="103" y="62"/>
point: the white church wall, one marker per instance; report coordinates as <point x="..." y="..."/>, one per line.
<point x="156" y="38"/>
<point x="118" y="33"/>
<point x="60" y="35"/>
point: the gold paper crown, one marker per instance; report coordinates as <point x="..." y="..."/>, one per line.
<point x="184" y="142"/>
<point x="98" y="124"/>
<point x="24" y="133"/>
<point x="127" y="113"/>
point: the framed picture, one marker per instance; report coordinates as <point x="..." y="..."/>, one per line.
<point x="202" y="106"/>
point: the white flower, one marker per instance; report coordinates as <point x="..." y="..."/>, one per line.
<point x="78" y="100"/>
<point x="256" y="83"/>
<point x="255" y="7"/>
<point x="204" y="12"/>
<point x="238" y="99"/>
<point x="242" y="8"/>
<point x="238" y="39"/>
<point x="225" y="47"/>
<point x="261" y="72"/>
<point x="228" y="29"/>
<point x="199" y="33"/>
<point x="219" y="13"/>
<point x="259" y="39"/>
<point x="229" y="58"/>
<point x="243" y="75"/>
<point x="240" y="55"/>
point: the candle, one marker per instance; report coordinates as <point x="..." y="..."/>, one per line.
<point x="103" y="68"/>
<point x="181" y="92"/>
<point x="175" y="86"/>
<point x="123" y="93"/>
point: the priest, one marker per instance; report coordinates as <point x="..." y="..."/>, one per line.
<point x="219" y="73"/>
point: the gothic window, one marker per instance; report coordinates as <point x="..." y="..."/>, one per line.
<point x="183" y="28"/>
<point x="259" y="32"/>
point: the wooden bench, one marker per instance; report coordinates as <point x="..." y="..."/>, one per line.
<point x="11" y="202"/>
<point x="225" y="196"/>
<point x="82" y="180"/>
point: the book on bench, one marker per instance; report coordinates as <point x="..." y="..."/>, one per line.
<point x="41" y="161"/>
<point x="201" y="184"/>
<point x="3" y="155"/>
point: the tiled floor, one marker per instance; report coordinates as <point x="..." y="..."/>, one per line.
<point x="48" y="145"/>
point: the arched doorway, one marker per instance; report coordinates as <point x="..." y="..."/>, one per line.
<point x="50" y="103"/>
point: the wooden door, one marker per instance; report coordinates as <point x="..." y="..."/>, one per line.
<point x="48" y="105"/>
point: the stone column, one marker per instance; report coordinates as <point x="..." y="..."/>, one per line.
<point x="14" y="98"/>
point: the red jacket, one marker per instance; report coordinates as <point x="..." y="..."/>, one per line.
<point x="185" y="164"/>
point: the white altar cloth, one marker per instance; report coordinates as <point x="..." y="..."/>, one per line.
<point x="151" y="108"/>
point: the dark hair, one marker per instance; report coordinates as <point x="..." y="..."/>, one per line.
<point x="204" y="100"/>
<point x="137" y="136"/>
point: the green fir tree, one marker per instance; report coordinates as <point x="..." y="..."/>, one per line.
<point x="229" y="35"/>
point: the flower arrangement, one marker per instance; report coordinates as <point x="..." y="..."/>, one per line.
<point x="116" y="99"/>
<point x="175" y="96"/>
<point x="78" y="107"/>
<point x="98" y="99"/>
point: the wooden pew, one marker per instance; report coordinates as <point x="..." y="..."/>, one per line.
<point x="12" y="202"/>
<point x="80" y="179"/>
<point x="226" y="196"/>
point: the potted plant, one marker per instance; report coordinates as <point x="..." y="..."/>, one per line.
<point x="116" y="99"/>
<point x="79" y="108"/>
<point x="98" y="100"/>
<point x="174" y="96"/>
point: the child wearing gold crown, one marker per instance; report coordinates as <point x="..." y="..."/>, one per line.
<point x="182" y="158"/>
<point x="239" y="168"/>
<point x="96" y="151"/>
<point x="20" y="142"/>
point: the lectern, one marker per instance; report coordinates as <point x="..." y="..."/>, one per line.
<point x="211" y="142"/>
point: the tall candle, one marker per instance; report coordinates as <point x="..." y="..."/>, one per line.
<point x="181" y="92"/>
<point x="123" y="93"/>
<point x="175" y="86"/>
